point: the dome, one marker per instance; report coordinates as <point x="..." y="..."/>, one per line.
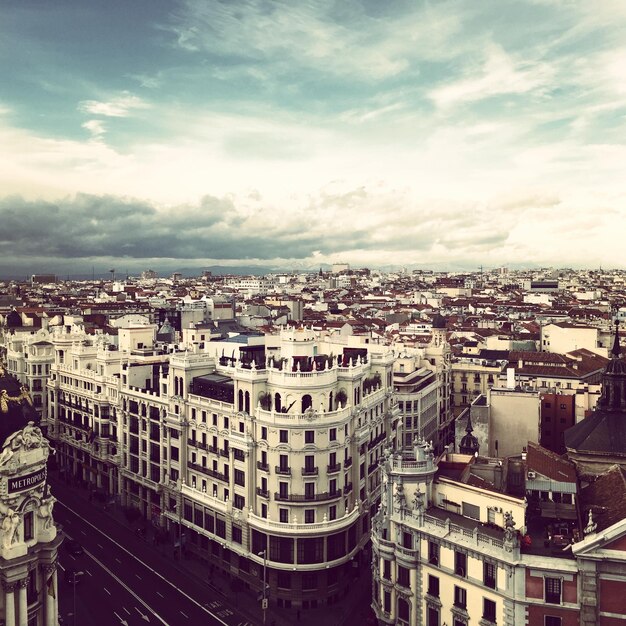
<point x="469" y="444"/>
<point x="439" y="321"/>
<point x="166" y="333"/>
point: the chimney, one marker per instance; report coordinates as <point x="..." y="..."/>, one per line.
<point x="510" y="378"/>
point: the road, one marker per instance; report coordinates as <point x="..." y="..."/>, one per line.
<point x="124" y="580"/>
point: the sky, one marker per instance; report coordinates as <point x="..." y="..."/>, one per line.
<point x="184" y="133"/>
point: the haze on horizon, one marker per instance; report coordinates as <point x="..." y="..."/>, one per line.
<point x="195" y="132"/>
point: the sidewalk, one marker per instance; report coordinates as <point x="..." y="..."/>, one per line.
<point x="245" y="601"/>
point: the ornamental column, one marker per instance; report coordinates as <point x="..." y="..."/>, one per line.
<point x="22" y="611"/>
<point x="9" y="603"/>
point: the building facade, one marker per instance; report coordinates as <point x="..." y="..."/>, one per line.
<point x="29" y="540"/>
<point x="263" y="458"/>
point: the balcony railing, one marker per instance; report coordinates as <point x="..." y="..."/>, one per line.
<point x="283" y="471"/>
<point x="315" y="497"/>
<point x="208" y="471"/>
<point x="263" y="466"/>
<point x="348" y="462"/>
<point x="264" y="493"/>
<point x="333" y="469"/>
<point x="310" y="471"/>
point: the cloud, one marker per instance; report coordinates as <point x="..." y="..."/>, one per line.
<point x="121" y="106"/>
<point x="499" y="75"/>
<point x="95" y="127"/>
<point x="350" y="39"/>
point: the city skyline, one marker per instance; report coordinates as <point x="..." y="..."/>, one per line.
<point x="194" y="133"/>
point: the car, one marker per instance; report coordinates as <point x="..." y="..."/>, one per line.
<point x="72" y="576"/>
<point x="73" y="547"/>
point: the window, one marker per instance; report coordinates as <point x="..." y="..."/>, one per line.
<point x="237" y="534"/>
<point x="489" y="575"/>
<point x="283" y="489"/>
<point x="460" y="563"/>
<point x="332" y="512"/>
<point x="387" y="570"/>
<point x="460" y="597"/>
<point x="407" y="540"/>
<point x="550" y="620"/>
<point x="403" y="610"/>
<point x="226" y="423"/>
<point x="309" y="516"/>
<point x="28" y="526"/>
<point x="432" y="616"/>
<point x="433" y="586"/>
<point x="240" y="478"/>
<point x="264" y="433"/>
<point x="283" y="580"/>
<point x="470" y="510"/>
<point x="552" y="590"/>
<point x="489" y="610"/>
<point x="332" y="434"/>
<point x="264" y="511"/>
<point x="433" y="553"/>
<point x="284" y="436"/>
<point x="283" y="515"/>
<point x="309" y="436"/>
<point x="403" y="577"/>
<point x="309" y="491"/>
<point x="309" y="463"/>
<point x="387" y="602"/>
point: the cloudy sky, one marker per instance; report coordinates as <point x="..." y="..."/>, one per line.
<point x="301" y="132"/>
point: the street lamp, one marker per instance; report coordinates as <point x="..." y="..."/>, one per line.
<point x="264" y="601"/>
<point x="75" y="579"/>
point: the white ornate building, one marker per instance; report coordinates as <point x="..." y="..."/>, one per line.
<point x="448" y="548"/>
<point x="28" y="537"/>
<point x="261" y="451"/>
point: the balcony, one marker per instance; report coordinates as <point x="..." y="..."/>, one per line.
<point x="316" y="497"/>
<point x="208" y="471"/>
<point x="348" y="463"/>
<point x="264" y="493"/>
<point x="225" y="452"/>
<point x="213" y="449"/>
<point x="283" y="471"/>
<point x="264" y="467"/>
<point x="333" y="469"/>
<point x="347" y="489"/>
<point x="310" y="471"/>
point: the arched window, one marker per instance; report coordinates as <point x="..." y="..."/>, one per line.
<point x="247" y="402"/>
<point x="307" y="402"/>
<point x="240" y="398"/>
<point x="330" y="401"/>
<point x="277" y="403"/>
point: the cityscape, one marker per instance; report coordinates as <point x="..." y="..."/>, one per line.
<point x="350" y="445"/>
<point x="312" y="313"/>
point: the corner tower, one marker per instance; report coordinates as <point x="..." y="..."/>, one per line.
<point x="28" y="537"/>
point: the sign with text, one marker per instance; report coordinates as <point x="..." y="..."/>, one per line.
<point x="28" y="481"/>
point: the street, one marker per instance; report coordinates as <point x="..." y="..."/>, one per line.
<point x="124" y="580"/>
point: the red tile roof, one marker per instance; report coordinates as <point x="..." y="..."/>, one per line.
<point x="549" y="464"/>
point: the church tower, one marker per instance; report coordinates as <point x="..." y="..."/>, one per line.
<point x="599" y="441"/>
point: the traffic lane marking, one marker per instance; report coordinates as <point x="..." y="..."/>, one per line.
<point x="150" y="569"/>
